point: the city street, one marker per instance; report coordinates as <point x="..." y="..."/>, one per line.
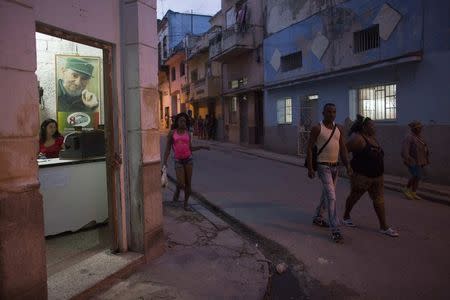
<point x="277" y="200"/>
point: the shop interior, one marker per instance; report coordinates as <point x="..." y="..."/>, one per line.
<point x="71" y="158"/>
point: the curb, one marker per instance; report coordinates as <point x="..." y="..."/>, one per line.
<point x="244" y="229"/>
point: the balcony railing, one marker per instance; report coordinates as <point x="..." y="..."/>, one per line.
<point x="205" y="88"/>
<point x="234" y="40"/>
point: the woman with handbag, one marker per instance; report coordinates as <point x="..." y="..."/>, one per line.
<point x="179" y="139"/>
<point x="368" y="168"/>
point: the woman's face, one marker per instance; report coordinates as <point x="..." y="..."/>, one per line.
<point x="369" y="128"/>
<point x="51" y="129"/>
<point x="182" y="123"/>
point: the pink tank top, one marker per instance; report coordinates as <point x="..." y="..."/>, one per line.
<point x="181" y="146"/>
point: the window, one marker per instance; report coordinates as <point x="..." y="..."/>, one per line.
<point x="165" y="47"/>
<point x="194" y="75"/>
<point x="174" y="74"/>
<point x="284" y="111"/>
<point x="291" y="62"/>
<point x="366" y="39"/>
<point x="238" y="83"/>
<point x="161" y="105"/>
<point x="231" y="17"/>
<point x="234" y="104"/>
<point x="378" y="102"/>
<point x="159" y="54"/>
<point x="182" y="69"/>
<point x="233" y="110"/>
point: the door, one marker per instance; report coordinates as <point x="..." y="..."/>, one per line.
<point x="308" y="118"/>
<point x="259" y="118"/>
<point x="243" y="119"/>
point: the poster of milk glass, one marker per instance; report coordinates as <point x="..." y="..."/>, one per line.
<point x="78" y="91"/>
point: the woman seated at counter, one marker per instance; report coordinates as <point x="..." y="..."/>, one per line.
<point x="50" y="140"/>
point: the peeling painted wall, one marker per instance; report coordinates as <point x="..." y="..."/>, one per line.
<point x="326" y="38"/>
<point x="284" y="13"/>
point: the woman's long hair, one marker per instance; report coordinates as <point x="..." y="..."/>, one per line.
<point x="359" y="123"/>
<point x="186" y="117"/>
<point x="43" y="130"/>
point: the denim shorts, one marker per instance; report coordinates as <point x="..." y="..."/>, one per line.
<point x="416" y="171"/>
<point x="180" y="163"/>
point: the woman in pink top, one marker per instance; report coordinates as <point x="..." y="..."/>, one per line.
<point x="179" y="140"/>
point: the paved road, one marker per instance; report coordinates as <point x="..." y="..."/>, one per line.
<point x="278" y="200"/>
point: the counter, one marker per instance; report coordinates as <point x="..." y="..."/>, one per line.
<point x="74" y="193"/>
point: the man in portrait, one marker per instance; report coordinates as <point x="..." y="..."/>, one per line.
<point x="72" y="93"/>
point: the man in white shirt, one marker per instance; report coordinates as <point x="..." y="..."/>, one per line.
<point x="327" y="140"/>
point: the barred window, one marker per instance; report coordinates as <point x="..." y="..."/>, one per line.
<point x="366" y="39"/>
<point x="378" y="102"/>
<point x="284" y="111"/>
<point x="291" y="62"/>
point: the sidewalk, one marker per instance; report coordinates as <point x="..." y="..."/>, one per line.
<point x="428" y="191"/>
<point x="204" y="259"/>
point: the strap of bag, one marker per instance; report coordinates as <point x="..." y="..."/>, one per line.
<point x="326" y="143"/>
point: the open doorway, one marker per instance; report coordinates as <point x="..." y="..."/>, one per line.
<point x="76" y="159"/>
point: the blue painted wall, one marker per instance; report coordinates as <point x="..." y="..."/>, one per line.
<point x="337" y="25"/>
<point x="180" y="25"/>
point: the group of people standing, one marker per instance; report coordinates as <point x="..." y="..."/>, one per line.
<point x="365" y="169"/>
<point x="206" y="128"/>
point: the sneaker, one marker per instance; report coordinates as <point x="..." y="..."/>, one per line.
<point x="348" y="222"/>
<point x="319" y="222"/>
<point x="415" y="196"/>
<point x="390" y="232"/>
<point x="337" y="237"/>
<point x="409" y="194"/>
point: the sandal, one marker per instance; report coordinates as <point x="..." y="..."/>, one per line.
<point x="348" y="222"/>
<point x="337" y="237"/>
<point x="319" y="222"/>
<point x="390" y="232"/>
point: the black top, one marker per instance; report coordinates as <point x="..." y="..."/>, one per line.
<point x="369" y="161"/>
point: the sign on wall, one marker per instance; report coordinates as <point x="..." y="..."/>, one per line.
<point x="78" y="91"/>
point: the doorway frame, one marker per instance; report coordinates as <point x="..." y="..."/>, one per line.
<point x="113" y="134"/>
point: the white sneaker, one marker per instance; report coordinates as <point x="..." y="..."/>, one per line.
<point x="348" y="222"/>
<point x="390" y="232"/>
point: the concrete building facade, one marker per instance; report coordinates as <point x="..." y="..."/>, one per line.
<point x="204" y="81"/>
<point x="172" y="32"/>
<point x="383" y="59"/>
<point x="236" y="43"/>
<point x="126" y="33"/>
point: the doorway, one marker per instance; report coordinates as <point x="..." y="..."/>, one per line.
<point x="243" y="119"/>
<point x="79" y="184"/>
<point x="307" y="119"/>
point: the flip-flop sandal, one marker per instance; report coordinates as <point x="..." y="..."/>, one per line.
<point x="390" y="232"/>
<point x="348" y="222"/>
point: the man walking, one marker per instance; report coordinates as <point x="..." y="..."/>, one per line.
<point x="326" y="144"/>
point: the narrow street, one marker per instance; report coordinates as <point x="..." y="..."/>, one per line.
<point x="277" y="200"/>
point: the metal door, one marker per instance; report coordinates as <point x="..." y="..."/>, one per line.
<point x="308" y="118"/>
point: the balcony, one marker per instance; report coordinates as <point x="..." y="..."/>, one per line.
<point x="235" y="41"/>
<point x="205" y="88"/>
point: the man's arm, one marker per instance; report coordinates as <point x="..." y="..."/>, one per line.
<point x="168" y="147"/>
<point x="315" y="131"/>
<point x="343" y="149"/>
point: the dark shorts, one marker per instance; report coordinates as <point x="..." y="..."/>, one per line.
<point x="180" y="163"/>
<point x="416" y="171"/>
<point x="361" y="184"/>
